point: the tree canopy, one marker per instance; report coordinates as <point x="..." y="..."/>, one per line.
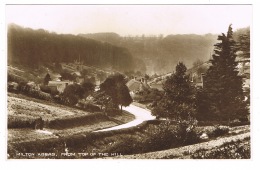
<point x="72" y="93"/>
<point x="115" y="87"/>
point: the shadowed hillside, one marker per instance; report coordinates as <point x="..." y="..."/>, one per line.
<point x="34" y="47"/>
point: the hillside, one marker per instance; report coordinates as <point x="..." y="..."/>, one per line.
<point x="32" y="48"/>
<point x="159" y="53"/>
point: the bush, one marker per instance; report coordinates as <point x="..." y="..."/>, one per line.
<point x="39" y="94"/>
<point x="161" y="136"/>
<point x="186" y="132"/>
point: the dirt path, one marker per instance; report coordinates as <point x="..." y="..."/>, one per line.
<point x="140" y="114"/>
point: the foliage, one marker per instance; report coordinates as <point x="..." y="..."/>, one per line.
<point x="229" y="150"/>
<point x="24" y="88"/>
<point x="171" y="134"/>
<point x="222" y="93"/>
<point x="88" y="88"/>
<point x="199" y="67"/>
<point x="72" y="93"/>
<point x="243" y="44"/>
<point x="178" y="101"/>
<point x="149" y="95"/>
<point x="123" y="95"/>
<point x="47" y="78"/>
<point x="67" y="76"/>
<point x="146" y="76"/>
<point x="115" y="87"/>
<point x="102" y="99"/>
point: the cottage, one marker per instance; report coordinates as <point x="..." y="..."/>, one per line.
<point x="137" y="85"/>
<point x="58" y="86"/>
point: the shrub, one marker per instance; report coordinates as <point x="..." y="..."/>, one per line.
<point x="160" y="136"/>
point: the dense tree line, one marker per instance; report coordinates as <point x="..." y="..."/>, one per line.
<point x="160" y="53"/>
<point x="34" y="47"/>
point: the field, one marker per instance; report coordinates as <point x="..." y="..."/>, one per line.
<point x="59" y="120"/>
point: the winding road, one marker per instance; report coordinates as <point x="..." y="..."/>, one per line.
<point x="140" y="114"/>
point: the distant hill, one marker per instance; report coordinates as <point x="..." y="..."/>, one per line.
<point x="109" y="37"/>
<point x="200" y="66"/>
<point x="159" y="53"/>
<point x="32" y="48"/>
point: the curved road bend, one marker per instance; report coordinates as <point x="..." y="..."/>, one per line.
<point x="140" y="114"/>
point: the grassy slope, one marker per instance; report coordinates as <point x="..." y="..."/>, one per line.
<point x="23" y="107"/>
<point x="20" y="105"/>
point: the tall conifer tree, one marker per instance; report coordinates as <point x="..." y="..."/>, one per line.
<point x="223" y="86"/>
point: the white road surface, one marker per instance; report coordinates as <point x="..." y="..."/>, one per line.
<point x="140" y="114"/>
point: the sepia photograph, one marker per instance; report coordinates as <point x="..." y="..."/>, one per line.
<point x="132" y="81"/>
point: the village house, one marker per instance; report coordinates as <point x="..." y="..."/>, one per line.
<point x="56" y="77"/>
<point x="137" y="85"/>
<point x="58" y="86"/>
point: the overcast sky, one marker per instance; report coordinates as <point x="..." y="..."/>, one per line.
<point x="131" y="19"/>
